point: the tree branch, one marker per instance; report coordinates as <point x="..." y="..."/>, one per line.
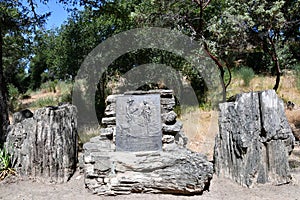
<point x="206" y="4"/>
<point x="274" y="57"/>
<point x="220" y="66"/>
<point x="32" y="6"/>
<point x="230" y="76"/>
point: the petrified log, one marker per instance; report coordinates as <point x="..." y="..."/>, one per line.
<point x="44" y="146"/>
<point x="254" y="140"/>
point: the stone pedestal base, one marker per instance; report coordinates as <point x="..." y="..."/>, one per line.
<point x="176" y="172"/>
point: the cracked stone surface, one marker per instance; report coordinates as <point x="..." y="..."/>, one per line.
<point x="254" y="140"/>
<point x="43" y="144"/>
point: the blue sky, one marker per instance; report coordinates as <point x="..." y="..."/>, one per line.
<point x="58" y="15"/>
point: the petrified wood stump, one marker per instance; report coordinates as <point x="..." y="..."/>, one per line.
<point x="254" y="140"/>
<point x="44" y="145"/>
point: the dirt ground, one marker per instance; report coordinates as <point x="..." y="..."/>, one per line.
<point x="203" y="137"/>
<point x="220" y="189"/>
<point x="16" y="189"/>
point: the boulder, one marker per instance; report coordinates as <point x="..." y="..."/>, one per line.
<point x="21" y="115"/>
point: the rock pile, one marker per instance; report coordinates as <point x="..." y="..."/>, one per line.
<point x="174" y="169"/>
<point x="254" y="140"/>
<point x="43" y="145"/>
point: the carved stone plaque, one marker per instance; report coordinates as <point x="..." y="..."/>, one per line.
<point x="138" y="122"/>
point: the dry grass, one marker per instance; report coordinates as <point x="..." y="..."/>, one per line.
<point x="287" y="89"/>
<point x="201" y="127"/>
<point x="293" y="116"/>
<point x="86" y="133"/>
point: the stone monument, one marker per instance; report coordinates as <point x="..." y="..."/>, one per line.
<point x="141" y="148"/>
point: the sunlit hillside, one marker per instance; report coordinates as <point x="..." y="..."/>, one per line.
<point x="202" y="126"/>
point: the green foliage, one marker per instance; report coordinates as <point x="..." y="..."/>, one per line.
<point x="258" y="32"/>
<point x="240" y="32"/>
<point x="206" y="106"/>
<point x="177" y="110"/>
<point x="86" y="133"/>
<point x="5" y="164"/>
<point x="14" y="95"/>
<point x="246" y="74"/>
<point x="297" y="74"/>
<point x="43" y="102"/>
<point x="27" y="94"/>
<point x="18" y="21"/>
<point x="66" y="98"/>
<point x="65" y="89"/>
<point x="4" y="159"/>
<point x="49" y="86"/>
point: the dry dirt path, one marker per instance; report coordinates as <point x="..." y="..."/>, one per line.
<point x="74" y="190"/>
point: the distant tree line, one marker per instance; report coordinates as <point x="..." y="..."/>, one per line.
<point x="263" y="35"/>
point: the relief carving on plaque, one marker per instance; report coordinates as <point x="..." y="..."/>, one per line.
<point x="138" y="123"/>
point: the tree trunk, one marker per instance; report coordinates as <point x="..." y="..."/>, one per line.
<point x="278" y="74"/>
<point x="4" y="120"/>
<point x="274" y="56"/>
<point x="220" y="66"/>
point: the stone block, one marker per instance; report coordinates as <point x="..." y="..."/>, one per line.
<point x="137" y="165"/>
<point x="108" y="120"/>
<point x="138" y="126"/>
<point x="168" y="139"/>
<point x="172" y="129"/>
<point x="102" y="163"/>
<point x="169" y="118"/>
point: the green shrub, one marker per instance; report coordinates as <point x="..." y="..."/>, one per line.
<point x="246" y="74"/>
<point x="86" y="133"/>
<point x="65" y="89"/>
<point x="297" y="73"/>
<point x="42" y="102"/>
<point x="5" y="164"/>
<point x="49" y="86"/>
<point x="206" y="106"/>
<point x="13" y="98"/>
<point x="66" y="97"/>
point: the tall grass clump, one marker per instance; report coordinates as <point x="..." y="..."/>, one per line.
<point x="297" y="73"/>
<point x="13" y="101"/>
<point x="43" y="102"/>
<point x="49" y="86"/>
<point x="86" y="133"/>
<point x="5" y="164"/>
<point x="246" y="74"/>
<point x="65" y="89"/>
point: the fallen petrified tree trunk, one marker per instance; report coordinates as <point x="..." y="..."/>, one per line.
<point x="43" y="145"/>
<point x="254" y="140"/>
